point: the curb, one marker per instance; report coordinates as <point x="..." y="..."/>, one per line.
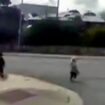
<point x="54" y="56"/>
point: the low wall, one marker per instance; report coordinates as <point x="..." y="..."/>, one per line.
<point x="56" y="50"/>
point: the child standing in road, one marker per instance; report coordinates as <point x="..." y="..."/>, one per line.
<point x="74" y="70"/>
<point x="2" y="65"/>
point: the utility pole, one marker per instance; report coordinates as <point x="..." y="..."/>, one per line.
<point x="58" y="3"/>
<point x="20" y="28"/>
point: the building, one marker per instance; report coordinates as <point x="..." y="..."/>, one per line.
<point x="69" y="15"/>
<point x="90" y="18"/>
<point x="72" y="17"/>
<point x="37" y="10"/>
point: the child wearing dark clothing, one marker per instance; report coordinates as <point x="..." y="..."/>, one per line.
<point x="2" y="65"/>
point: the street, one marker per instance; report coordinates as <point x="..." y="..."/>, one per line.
<point x="89" y="85"/>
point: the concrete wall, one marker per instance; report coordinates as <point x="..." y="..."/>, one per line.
<point x="56" y="50"/>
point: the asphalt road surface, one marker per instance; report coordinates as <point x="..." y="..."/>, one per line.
<point x="90" y="84"/>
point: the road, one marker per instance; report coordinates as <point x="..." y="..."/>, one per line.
<point x="90" y="84"/>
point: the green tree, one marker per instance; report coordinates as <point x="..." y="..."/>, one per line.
<point x="94" y="36"/>
<point x="5" y="2"/>
<point x="52" y="32"/>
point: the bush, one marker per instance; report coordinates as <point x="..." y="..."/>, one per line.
<point x="94" y="36"/>
<point x="52" y="32"/>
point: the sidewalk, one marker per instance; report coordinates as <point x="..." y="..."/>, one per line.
<point x="22" y="90"/>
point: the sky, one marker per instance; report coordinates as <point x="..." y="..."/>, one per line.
<point x="81" y="5"/>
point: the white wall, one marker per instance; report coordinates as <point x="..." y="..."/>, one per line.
<point x="38" y="9"/>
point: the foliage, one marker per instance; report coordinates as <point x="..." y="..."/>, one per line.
<point x="9" y="24"/>
<point x="58" y="33"/>
<point x="94" y="36"/>
<point x="52" y="32"/>
<point x="5" y="2"/>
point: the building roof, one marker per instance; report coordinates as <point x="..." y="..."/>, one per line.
<point x="69" y="15"/>
<point x="86" y="17"/>
<point x="74" y="12"/>
<point x="92" y="17"/>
